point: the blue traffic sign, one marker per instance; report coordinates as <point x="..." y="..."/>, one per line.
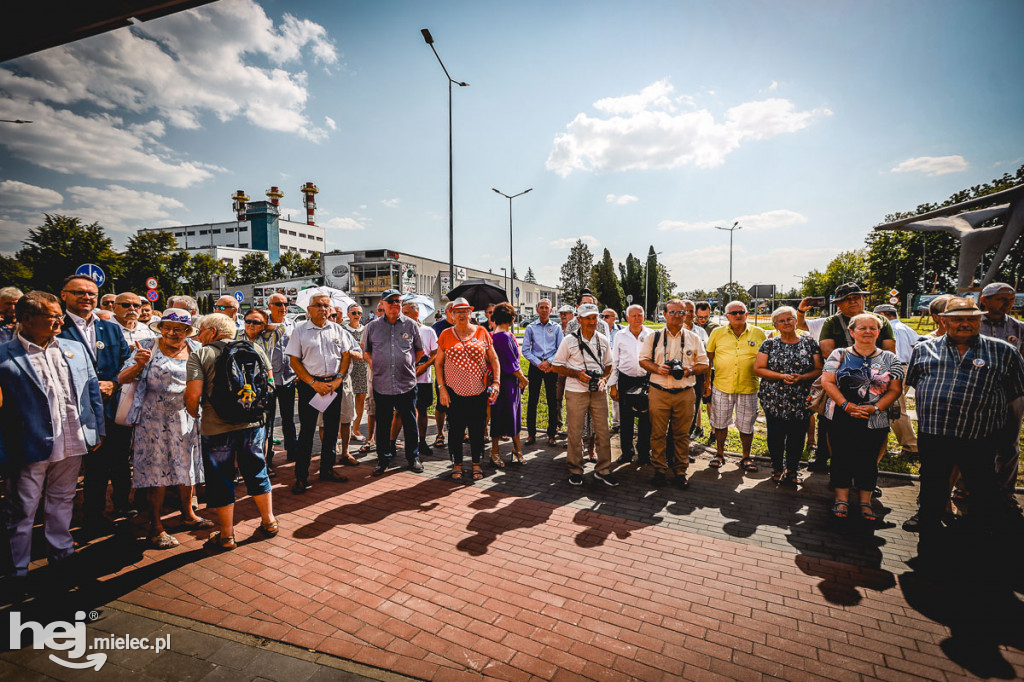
<point x="94" y="271"/>
<point x="239" y="296"/>
<point x="152" y="295"/>
<point x="517" y="293"/>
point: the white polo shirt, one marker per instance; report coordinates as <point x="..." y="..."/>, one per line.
<point x="320" y="349"/>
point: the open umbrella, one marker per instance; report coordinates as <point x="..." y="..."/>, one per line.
<point x="426" y="304"/>
<point x="479" y="292"/>
<point x="339" y="299"/>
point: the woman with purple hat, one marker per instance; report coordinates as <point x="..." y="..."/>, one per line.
<point x="167" y="445"/>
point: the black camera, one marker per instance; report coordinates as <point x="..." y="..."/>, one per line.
<point x="675" y="369"/>
<point x="595" y="377"/>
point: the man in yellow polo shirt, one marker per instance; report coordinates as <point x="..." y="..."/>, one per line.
<point x="732" y="351"/>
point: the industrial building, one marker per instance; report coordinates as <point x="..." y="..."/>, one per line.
<point x="258" y="227"/>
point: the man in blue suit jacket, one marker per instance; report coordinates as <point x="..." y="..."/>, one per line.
<point x="50" y="415"/>
<point x="108" y="351"/>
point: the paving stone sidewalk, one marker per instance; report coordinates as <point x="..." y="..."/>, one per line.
<point x="522" y="576"/>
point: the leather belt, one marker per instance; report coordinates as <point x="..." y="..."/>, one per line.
<point x="671" y="390"/>
<point x="329" y="378"/>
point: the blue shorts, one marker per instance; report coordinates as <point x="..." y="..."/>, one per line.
<point x="220" y="454"/>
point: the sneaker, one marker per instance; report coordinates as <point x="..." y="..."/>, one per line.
<point x="575" y="479"/>
<point x="416" y="466"/>
<point x="658" y="479"/>
<point x="680" y="482"/>
<point x="877" y="492"/>
<point x="608" y="479"/>
<point x="697" y="433"/>
<point x="623" y="460"/>
<point x="379" y="470"/>
<point x="913" y="524"/>
<point x="818" y="466"/>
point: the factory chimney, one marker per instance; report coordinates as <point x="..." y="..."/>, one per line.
<point x="274" y="194"/>
<point x="309" y="192"/>
<point x="238" y="204"/>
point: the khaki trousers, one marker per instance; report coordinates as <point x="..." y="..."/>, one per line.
<point x="577" y="406"/>
<point x="675" y="410"/>
<point x="902" y="428"/>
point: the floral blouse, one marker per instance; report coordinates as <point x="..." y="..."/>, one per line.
<point x="779" y="399"/>
<point x="863" y="381"/>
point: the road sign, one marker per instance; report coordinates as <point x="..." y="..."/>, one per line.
<point x="152" y="295"/>
<point x="894" y="292"/>
<point x="239" y="296"/>
<point x="762" y="291"/>
<point x="445" y="278"/>
<point x="151" y="283"/>
<point x="517" y="293"/>
<point x="894" y="300"/>
<point x="94" y="271"/>
<point x="629" y="298"/>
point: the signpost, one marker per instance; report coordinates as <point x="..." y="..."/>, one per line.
<point x="94" y="271"/>
<point x="151" y="283"/>
<point x="152" y="296"/>
<point x="629" y="298"/>
<point x="239" y="296"/>
<point x="445" y="277"/>
<point x="517" y="294"/>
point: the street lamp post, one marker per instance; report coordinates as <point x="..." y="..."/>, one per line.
<point x="504" y="274"/>
<point x="647" y="285"/>
<point x="511" y="266"/>
<point x="735" y="226"/>
<point x="451" y="210"/>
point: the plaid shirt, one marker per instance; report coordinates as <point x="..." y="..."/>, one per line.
<point x="964" y="397"/>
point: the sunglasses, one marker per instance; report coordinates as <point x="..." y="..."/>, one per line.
<point x="332" y="317"/>
<point x="136" y="306"/>
<point x="279" y="305"/>
<point x="607" y="317"/>
<point x="675" y="313"/>
<point x="355" y="314"/>
<point x="254" y="322"/>
<point x="221" y="307"/>
<point x="737" y="312"/>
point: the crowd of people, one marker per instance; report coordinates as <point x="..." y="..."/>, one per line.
<point x="142" y="400"/>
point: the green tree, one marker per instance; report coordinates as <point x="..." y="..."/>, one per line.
<point x="176" y="274"/>
<point x="665" y="283"/>
<point x="530" y="277"/>
<point x="14" y="273"/>
<point x="146" y="256"/>
<point x="651" y="287"/>
<point x="255" y="267"/>
<point x="848" y="266"/>
<point x="606" y="285"/>
<point x="60" y="245"/>
<point x="575" y="272"/>
<point x="296" y="265"/>
<point x="200" y="271"/>
<point x="631" y="279"/>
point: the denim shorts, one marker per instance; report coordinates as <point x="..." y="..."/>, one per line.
<point x="220" y="454"/>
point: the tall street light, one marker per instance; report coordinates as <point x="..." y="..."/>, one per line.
<point x="735" y="226"/>
<point x="647" y="284"/>
<point x="451" y="211"/>
<point x="511" y="266"/>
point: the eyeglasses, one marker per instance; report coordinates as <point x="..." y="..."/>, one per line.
<point x="737" y="312"/>
<point x="82" y="294"/>
<point x="254" y="322"/>
<point x="51" y="318"/>
<point x="396" y="301"/>
<point x="319" y="305"/>
<point x="332" y="317"/>
<point x="279" y="304"/>
<point x="355" y="314"/>
<point x="221" y="307"/>
<point x="675" y="313"/>
<point x="607" y="317"/>
<point x="136" y="306"/>
<point x="786" y="320"/>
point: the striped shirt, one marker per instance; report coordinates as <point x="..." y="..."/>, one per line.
<point x="964" y="397"/>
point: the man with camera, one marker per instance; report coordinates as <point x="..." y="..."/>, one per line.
<point x="628" y="386"/>
<point x="584" y="358"/>
<point x="673" y="356"/>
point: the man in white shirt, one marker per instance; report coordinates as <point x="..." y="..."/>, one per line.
<point x="584" y="358"/>
<point x="320" y="352"/>
<point x="628" y="386"/>
<point x="610" y="317"/>
<point x="906" y="339"/>
<point x="127" y="307"/>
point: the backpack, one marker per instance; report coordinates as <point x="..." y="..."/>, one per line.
<point x="241" y="393"/>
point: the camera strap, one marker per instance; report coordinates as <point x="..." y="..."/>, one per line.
<point x="664" y="345"/>
<point x="585" y="350"/>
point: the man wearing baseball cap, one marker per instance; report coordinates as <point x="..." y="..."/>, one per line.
<point x="964" y="383"/>
<point x="835" y="333"/>
<point x="997" y="300"/>
<point x="584" y="358"/>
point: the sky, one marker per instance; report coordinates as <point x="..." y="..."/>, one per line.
<point x="634" y="123"/>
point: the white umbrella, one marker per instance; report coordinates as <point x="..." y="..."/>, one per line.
<point x="339" y="299"/>
<point x="426" y="304"/>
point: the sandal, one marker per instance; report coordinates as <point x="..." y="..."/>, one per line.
<point x="365" y="447"/>
<point x="866" y="512"/>
<point x="478" y="473"/>
<point x="163" y="541"/>
<point x="496" y="460"/>
<point x="778" y="476"/>
<point x="357" y="438"/>
<point x="269" y="529"/>
<point x="516" y="457"/>
<point x="840" y="509"/>
<point x="793" y="478"/>
<point x="748" y="465"/>
<point x="198" y="524"/>
<point x="457" y="473"/>
<point x="439" y="441"/>
<point x="220" y="543"/>
<point x="717" y="461"/>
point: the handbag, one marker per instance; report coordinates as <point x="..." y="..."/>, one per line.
<point x="817" y="397"/>
<point x="124" y="404"/>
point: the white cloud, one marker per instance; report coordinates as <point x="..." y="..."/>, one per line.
<point x="227" y="59"/>
<point x="932" y="165"/>
<point x="344" y="224"/>
<point x="776" y="266"/>
<point x="620" y="200"/>
<point x="646" y="131"/>
<point x="391" y="203"/>
<point x="767" y="220"/>
<point x="773" y="86"/>
<point x="569" y="242"/>
<point x="116" y="207"/>
<point x="14" y="193"/>
<point x="330" y="123"/>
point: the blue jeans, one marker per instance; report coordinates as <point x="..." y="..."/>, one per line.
<point x="221" y="452"/>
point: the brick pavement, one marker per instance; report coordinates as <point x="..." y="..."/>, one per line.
<point x="522" y="576"/>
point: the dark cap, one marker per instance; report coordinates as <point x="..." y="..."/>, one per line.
<point x="389" y="293"/>
<point x="848" y="289"/>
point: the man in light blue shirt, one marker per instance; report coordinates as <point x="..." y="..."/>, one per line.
<point x="540" y="341"/>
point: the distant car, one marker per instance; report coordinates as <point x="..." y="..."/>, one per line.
<point x="661" y="317"/>
<point x="296" y="317"/>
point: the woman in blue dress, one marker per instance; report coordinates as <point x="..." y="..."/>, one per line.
<point x="167" y="445"/>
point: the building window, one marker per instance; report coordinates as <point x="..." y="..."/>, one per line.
<point x="229" y="229"/>
<point x="192" y="233"/>
<point x="179" y="234"/>
<point x="243" y="229"/>
<point x="301" y="236"/>
<point x="244" y="246"/>
<point x="319" y="239"/>
<point x="217" y="231"/>
<point x="204" y="231"/>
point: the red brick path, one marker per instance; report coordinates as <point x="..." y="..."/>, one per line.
<point x="444" y="581"/>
